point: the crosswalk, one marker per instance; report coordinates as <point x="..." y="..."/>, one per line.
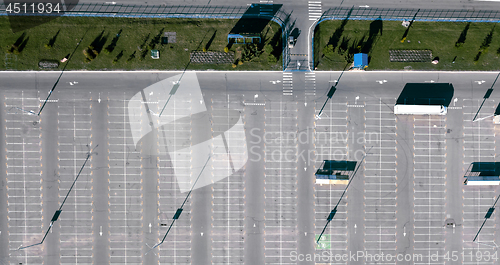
<point x="310" y="84"/>
<point x="314" y="10"/>
<point x="287" y="84"/>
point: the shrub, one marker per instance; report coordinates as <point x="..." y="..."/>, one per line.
<point x="250" y="51"/>
<point x="328" y="50"/>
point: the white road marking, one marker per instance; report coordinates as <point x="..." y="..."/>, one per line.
<point x="314" y="10"/>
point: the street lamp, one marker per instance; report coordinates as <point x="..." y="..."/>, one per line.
<point x="58" y="212"/>
<point x="334" y="211"/>
<point x="179" y="210"/>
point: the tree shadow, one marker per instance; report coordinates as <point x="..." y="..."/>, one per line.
<point x="356" y="47"/>
<point x="207" y="46"/>
<point x="486" y="43"/>
<point x="376" y="27"/>
<point x="463" y="36"/>
<point x="275" y="42"/>
<point x="156" y="40"/>
<point x="230" y="44"/>
<point x="487" y="40"/>
<point x="118" y="57"/>
<point x="344" y="45"/>
<point x="405" y="34"/>
<point x="142" y="47"/>
<point x="98" y="43"/>
<point x="264" y="40"/>
<point x="335" y="38"/>
<point x="131" y="57"/>
<point x="52" y="41"/>
<point x="110" y="48"/>
<point x="15" y="48"/>
<point x="476" y="58"/>
<point x="23" y="45"/>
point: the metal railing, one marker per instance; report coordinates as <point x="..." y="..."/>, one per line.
<point x="155" y="11"/>
<point x="397" y="14"/>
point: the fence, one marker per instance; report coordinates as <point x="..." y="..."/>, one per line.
<point x="358" y="13"/>
<point x="397" y="14"/>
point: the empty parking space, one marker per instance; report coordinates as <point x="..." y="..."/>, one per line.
<point x="280" y="182"/>
<point x="125" y="187"/>
<point x="479" y="136"/>
<point x="228" y="194"/>
<point x="407" y="189"/>
<point x="476" y="202"/>
<point x="479" y="146"/>
<point x="331" y="135"/>
<point x="380" y="180"/>
<point x="74" y="132"/>
<point x="177" y="247"/>
<point x="429" y="191"/>
<point x="23" y="151"/>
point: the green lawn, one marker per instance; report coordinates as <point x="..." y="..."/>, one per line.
<point x="135" y="35"/>
<point x="440" y="37"/>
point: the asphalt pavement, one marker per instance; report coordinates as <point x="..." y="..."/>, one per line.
<point x="407" y="188"/>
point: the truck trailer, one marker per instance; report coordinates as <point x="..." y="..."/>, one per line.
<point x="420" y="109"/>
<point x="424" y="99"/>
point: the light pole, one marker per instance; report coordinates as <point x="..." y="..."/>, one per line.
<point x="59" y="78"/>
<point x="486" y="96"/>
<point x="58" y="212"/>
<point x="334" y="211"/>
<point x="486" y="217"/>
<point x="179" y="210"/>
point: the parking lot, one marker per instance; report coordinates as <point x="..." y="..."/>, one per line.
<point x="408" y="186"/>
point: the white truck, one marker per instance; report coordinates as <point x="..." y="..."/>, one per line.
<point x="420" y="109"/>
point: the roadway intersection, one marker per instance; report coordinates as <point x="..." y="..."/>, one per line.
<point x="268" y="212"/>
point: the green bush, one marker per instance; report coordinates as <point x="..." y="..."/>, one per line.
<point x="328" y="50"/>
<point x="250" y="51"/>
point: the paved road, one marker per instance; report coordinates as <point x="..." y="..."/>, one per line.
<point x="270" y="211"/>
